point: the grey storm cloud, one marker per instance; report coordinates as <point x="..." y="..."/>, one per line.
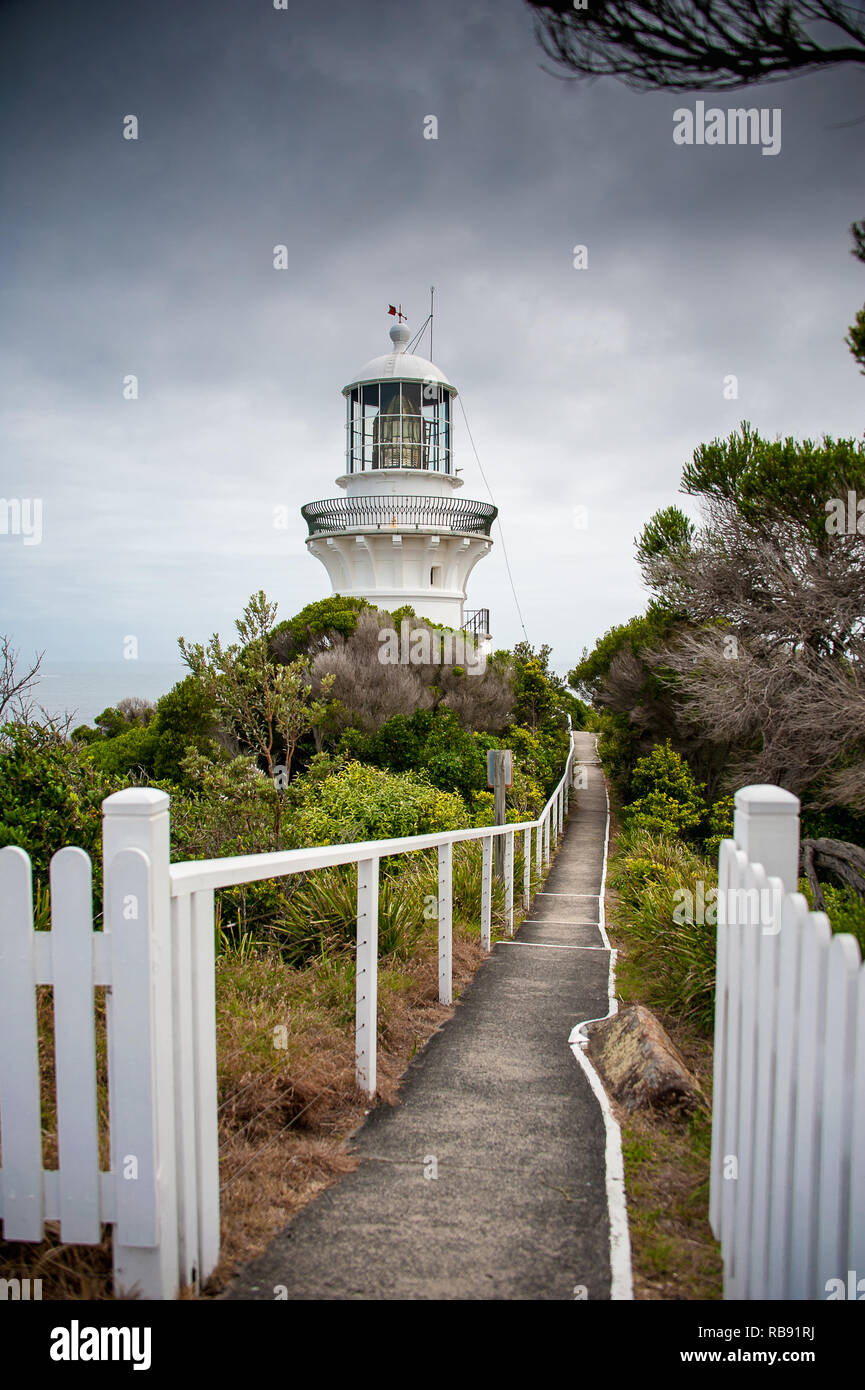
<point x="304" y="127"/>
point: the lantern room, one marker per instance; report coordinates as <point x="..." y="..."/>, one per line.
<point x="398" y="413"/>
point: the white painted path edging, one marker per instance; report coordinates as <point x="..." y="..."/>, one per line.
<point x="621" y="1282"/>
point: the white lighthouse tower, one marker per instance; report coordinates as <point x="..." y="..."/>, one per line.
<point x="401" y="534"/>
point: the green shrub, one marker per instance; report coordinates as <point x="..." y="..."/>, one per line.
<point x="50" y="797"/>
<point x="367" y="803"/>
<point x="667" y="800"/>
<point x="676" y="959"/>
<point x="320" y="918"/>
<point x="844" y="908"/>
<point x="718" y="827"/>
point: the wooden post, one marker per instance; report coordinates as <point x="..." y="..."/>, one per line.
<point x="500" y="776"/>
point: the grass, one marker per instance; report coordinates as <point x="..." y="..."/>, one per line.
<point x="674" y="1254"/>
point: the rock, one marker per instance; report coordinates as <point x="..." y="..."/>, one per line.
<point x="641" y="1065"/>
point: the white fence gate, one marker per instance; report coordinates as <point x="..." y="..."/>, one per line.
<point x="155" y="956"/>
<point x="788" y="1132"/>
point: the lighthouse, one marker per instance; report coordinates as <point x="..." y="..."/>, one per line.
<point x="401" y="534"/>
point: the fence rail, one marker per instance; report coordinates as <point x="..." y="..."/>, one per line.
<point x="788" y="1131"/>
<point x="155" y="958"/>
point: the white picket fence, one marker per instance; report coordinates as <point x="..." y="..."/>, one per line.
<point x="788" y="1132"/>
<point x="155" y="955"/>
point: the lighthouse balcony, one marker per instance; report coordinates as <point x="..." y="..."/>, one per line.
<point x="460" y="516"/>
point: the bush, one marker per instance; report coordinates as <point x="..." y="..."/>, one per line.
<point x="50" y="797"/>
<point x="667" y="800"/>
<point x="367" y="803"/>
<point x="677" y="959"/>
<point x="427" y="741"/>
<point x="320" y="917"/>
<point x="183" y="722"/>
<point x="845" y="910"/>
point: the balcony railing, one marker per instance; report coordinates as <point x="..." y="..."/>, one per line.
<point x="399" y="514"/>
<point x="477" y="622"/>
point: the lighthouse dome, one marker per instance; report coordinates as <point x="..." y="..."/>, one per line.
<point x="399" y="365"/>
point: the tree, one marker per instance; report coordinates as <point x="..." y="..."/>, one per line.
<point x="49" y="797"/>
<point x="372" y="689"/>
<point x="681" y="45"/>
<point x="856" y="339"/>
<point x="771" y="655"/>
<point x="314" y="628"/>
<point x="269" y="706"/>
<point x="15" y="684"/>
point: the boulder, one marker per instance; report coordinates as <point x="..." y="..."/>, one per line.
<point x="640" y="1064"/>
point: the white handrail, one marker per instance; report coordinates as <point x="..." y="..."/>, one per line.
<point x="194" y="875"/>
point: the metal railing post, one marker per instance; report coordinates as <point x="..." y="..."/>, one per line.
<point x="445" y="857"/>
<point x="509" y="881"/>
<point x="366" y="980"/>
<point x="486" y="892"/>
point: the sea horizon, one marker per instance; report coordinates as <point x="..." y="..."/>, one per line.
<point x="84" y="689"/>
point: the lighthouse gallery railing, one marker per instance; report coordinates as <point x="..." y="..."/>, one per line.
<point x="385" y="513"/>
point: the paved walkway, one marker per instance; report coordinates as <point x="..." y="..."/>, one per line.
<point x="519" y="1207"/>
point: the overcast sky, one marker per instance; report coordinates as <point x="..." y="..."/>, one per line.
<point x="257" y="127"/>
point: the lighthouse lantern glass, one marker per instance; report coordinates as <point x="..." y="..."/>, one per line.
<point x="398" y="424"/>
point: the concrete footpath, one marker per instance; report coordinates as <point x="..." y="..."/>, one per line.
<point x="518" y="1209"/>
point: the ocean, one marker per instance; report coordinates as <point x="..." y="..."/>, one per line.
<point x="88" y="689"/>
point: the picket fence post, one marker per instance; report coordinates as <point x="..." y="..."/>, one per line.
<point x="766" y="830"/>
<point x="137" y="918"/>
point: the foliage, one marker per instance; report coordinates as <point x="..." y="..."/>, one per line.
<point x="432" y="742"/>
<point x="127" y="742"/>
<point x="372" y="687"/>
<point x="667" y="532"/>
<point x="751" y="657"/>
<point x="367" y="803"/>
<point x="667" y="800"/>
<point x="312" y="630"/>
<point x="764" y="482"/>
<point x="49" y="797"/>
<point x="591" y="672"/>
<point x="715" y="44"/>
<point x="677" y="958"/>
<point x="844" y="908"/>
<point x="542" y="700"/>
<point x="230" y="807"/>
<point x="269" y="706"/>
<point x="855" y="339"/>
<point x="718" y="827"/>
<point x="320" y="918"/>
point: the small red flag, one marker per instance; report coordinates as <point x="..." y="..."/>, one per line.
<point x="391" y="308"/>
